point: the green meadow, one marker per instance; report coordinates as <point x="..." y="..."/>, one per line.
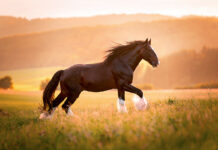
<point x="172" y="122"/>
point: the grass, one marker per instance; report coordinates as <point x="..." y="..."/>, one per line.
<point x="168" y="124"/>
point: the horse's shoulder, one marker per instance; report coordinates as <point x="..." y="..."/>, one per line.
<point x="121" y="65"/>
<point x="122" y="68"/>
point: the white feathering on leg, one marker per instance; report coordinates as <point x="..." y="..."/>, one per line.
<point x="69" y="112"/>
<point x="47" y="115"/>
<point x="43" y="115"/>
<point x="121" y="106"/>
<point x="140" y="103"/>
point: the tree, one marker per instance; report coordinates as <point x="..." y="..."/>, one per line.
<point x="43" y="84"/>
<point x="6" y="82"/>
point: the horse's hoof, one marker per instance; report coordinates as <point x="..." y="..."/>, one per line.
<point x="121" y="107"/>
<point x="48" y="114"/>
<point x="123" y="110"/>
<point x="45" y="115"/>
<point x="140" y="103"/>
<point x="69" y="112"/>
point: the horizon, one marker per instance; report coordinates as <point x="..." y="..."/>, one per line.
<point x="98" y="15"/>
<point x="58" y="9"/>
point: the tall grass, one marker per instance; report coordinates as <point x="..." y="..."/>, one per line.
<point x="168" y="124"/>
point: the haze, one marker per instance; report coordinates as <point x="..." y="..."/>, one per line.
<point x="70" y="8"/>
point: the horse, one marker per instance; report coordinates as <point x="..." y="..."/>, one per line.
<point x="115" y="72"/>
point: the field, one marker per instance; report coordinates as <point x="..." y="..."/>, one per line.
<point x="177" y="119"/>
<point x="29" y="79"/>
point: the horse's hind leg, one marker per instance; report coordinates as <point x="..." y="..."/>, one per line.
<point x="70" y="100"/>
<point x="55" y="104"/>
<point x="58" y="100"/>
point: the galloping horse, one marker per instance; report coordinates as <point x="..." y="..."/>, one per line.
<point x="115" y="72"/>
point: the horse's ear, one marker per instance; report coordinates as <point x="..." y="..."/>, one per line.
<point x="146" y="41"/>
<point x="149" y="42"/>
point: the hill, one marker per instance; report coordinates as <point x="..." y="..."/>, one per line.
<point x="65" y="47"/>
<point x="11" y="25"/>
<point x="185" y="68"/>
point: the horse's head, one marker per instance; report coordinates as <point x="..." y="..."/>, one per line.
<point x="148" y="53"/>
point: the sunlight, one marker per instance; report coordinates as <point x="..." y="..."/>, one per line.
<point x="74" y="8"/>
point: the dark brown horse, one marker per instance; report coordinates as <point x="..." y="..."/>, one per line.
<point x="115" y="72"/>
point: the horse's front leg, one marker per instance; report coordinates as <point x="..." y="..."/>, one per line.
<point x="121" y="101"/>
<point x="139" y="100"/>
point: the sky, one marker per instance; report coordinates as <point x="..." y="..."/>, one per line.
<point x="76" y="8"/>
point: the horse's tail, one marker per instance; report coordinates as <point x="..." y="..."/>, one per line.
<point x="48" y="94"/>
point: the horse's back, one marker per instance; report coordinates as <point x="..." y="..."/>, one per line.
<point x="90" y="77"/>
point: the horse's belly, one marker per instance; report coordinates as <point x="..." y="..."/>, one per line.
<point x="97" y="78"/>
<point x="98" y="89"/>
<point x="98" y="84"/>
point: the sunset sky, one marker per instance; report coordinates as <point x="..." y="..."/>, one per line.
<point x="71" y="8"/>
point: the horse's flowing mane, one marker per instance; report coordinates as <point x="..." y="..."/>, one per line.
<point x="120" y="50"/>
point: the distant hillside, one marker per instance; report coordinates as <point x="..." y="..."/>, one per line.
<point x="87" y="44"/>
<point x="11" y="25"/>
<point x="185" y="68"/>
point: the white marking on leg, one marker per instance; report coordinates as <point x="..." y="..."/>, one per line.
<point x="140" y="103"/>
<point x="52" y="111"/>
<point x="121" y="106"/>
<point x="43" y="115"/>
<point x="69" y="112"/>
<point x="47" y="115"/>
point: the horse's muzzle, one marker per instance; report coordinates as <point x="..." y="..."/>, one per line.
<point x="155" y="64"/>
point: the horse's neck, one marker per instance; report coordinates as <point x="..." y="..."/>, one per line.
<point x="133" y="59"/>
<point x="134" y="62"/>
